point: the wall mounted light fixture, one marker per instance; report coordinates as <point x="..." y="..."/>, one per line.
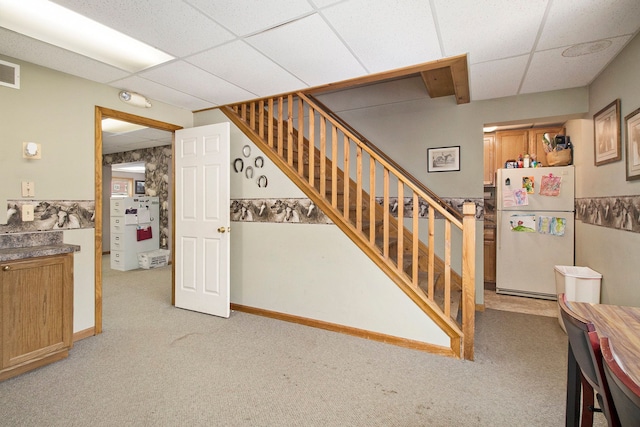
<point x="134" y="99"/>
<point x="31" y="150"/>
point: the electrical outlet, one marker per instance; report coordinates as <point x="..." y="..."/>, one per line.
<point x="27" y="212"/>
<point x="28" y="189"/>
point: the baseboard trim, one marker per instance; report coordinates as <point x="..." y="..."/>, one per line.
<point x="361" y="333"/>
<point x="480" y="307"/>
<point x="86" y="333"/>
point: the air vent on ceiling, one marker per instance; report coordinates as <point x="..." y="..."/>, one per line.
<point x="9" y="74"/>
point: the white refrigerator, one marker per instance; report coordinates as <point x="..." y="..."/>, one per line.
<point x="535" y="229"/>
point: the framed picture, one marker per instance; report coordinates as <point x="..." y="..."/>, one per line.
<point x="606" y="128"/>
<point x="121" y="186"/>
<point x="139" y="187"/>
<point x="443" y="159"/>
<point x="632" y="144"/>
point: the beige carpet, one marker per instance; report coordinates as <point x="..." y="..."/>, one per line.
<point x="156" y="365"/>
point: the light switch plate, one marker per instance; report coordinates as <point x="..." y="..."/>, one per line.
<point x="27" y="212"/>
<point x="28" y="189"/>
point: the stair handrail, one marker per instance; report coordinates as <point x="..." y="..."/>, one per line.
<point x="384" y="156"/>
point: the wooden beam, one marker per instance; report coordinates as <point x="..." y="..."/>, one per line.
<point x="439" y="82"/>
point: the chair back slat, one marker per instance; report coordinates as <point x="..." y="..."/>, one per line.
<point x="585" y="345"/>
<point x="625" y="393"/>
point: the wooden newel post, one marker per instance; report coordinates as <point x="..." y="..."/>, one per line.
<point x="468" y="278"/>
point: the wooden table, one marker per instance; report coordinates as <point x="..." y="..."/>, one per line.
<point x="622" y="325"/>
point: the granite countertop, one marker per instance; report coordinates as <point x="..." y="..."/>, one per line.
<point x="30" y="245"/>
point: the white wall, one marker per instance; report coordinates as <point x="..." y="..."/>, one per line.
<point x="57" y="110"/>
<point x="312" y="271"/>
<point x="611" y="252"/>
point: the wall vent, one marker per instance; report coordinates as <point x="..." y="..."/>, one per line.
<point x="9" y="74"/>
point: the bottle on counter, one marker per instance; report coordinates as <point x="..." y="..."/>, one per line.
<point x="526" y="163"/>
<point x="520" y="161"/>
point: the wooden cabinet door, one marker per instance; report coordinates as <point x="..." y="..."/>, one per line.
<point x="536" y="146"/>
<point x="489" y="159"/>
<point x="36" y="308"/>
<point x="510" y="144"/>
<point x="489" y="255"/>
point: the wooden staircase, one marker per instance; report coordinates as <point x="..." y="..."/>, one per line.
<point x="314" y="148"/>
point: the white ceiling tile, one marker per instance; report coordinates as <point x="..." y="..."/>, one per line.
<point x="157" y="92"/>
<point x="310" y="50"/>
<point x="271" y="79"/>
<point x="549" y="70"/>
<point x="46" y="55"/>
<point x="572" y="22"/>
<point x="170" y="26"/>
<point x="496" y="79"/>
<point x="488" y="30"/>
<point x="244" y="17"/>
<point x="193" y="81"/>
<point x="404" y="33"/>
<point x="324" y="3"/>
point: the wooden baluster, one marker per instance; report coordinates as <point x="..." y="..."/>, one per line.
<point x="252" y="115"/>
<point x="385" y="215"/>
<point x="280" y="127"/>
<point x="300" y="137"/>
<point x="414" y="256"/>
<point x="243" y="112"/>
<point x="312" y="145"/>
<point x="261" y="118"/>
<point x="270" y="123"/>
<point x="290" y="129"/>
<point x="372" y="200"/>
<point x="323" y="156"/>
<point x="334" y="166"/>
<point x="347" y="176"/>
<point x="431" y="253"/>
<point x="400" y="225"/>
<point x="359" y="188"/>
<point x="468" y="277"/>
<point x="447" y="268"/>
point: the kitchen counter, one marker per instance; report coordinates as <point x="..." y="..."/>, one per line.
<point x="30" y="245"/>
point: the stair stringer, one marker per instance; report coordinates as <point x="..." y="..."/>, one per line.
<point x="414" y="293"/>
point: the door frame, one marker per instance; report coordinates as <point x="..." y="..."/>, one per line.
<point x="103" y="113"/>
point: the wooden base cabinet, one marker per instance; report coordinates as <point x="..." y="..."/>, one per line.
<point x="490" y="255"/>
<point x="36" y="312"/>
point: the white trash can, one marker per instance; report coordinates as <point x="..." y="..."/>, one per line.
<point x="580" y="284"/>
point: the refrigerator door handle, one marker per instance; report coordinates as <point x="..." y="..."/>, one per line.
<point x="498" y="233"/>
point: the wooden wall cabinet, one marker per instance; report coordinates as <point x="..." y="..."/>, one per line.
<point x="510" y="144"/>
<point x="36" y="312"/>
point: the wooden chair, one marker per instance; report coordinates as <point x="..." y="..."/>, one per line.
<point x="585" y="345"/>
<point x="625" y="393"/>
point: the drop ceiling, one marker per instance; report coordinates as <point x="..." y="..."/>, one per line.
<point x="228" y="51"/>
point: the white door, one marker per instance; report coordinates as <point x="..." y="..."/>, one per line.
<point x="202" y="219"/>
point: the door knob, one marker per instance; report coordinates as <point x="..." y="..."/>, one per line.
<point x="221" y="230"/>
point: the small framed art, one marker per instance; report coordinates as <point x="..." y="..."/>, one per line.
<point x="139" y="187"/>
<point x="443" y="159"/>
<point x="606" y="129"/>
<point x="632" y="144"/>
